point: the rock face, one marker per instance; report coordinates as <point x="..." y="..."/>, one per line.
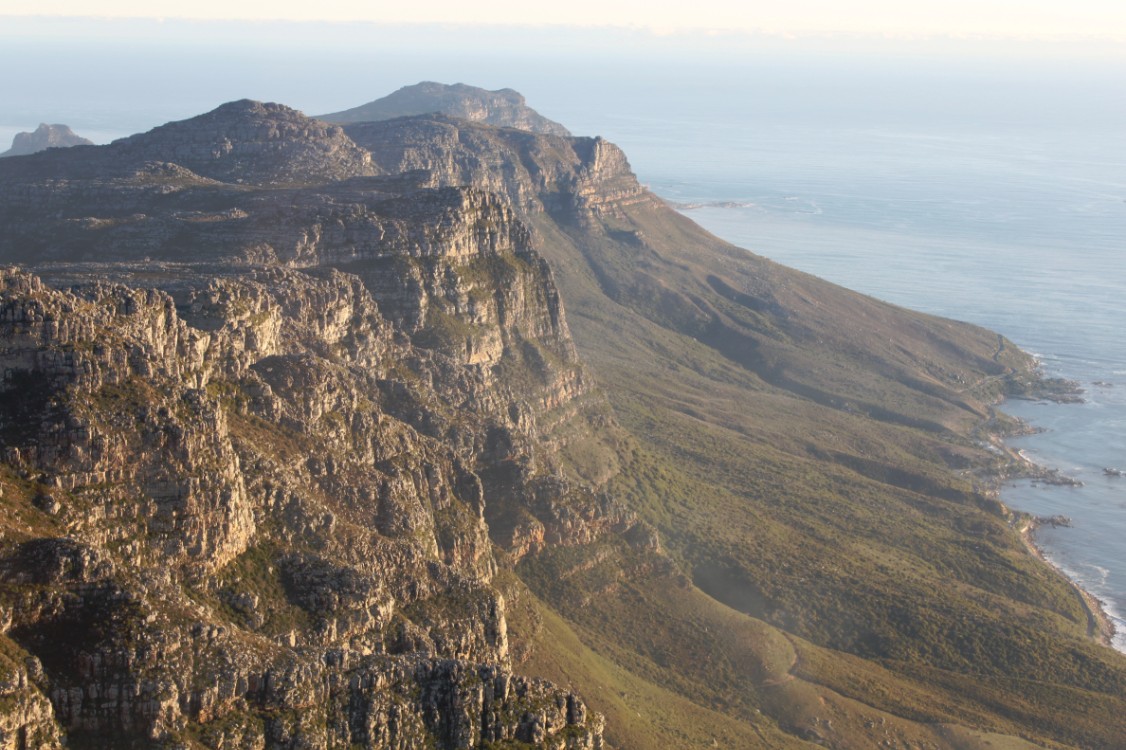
<point x="504" y="108"/>
<point x="274" y="478"/>
<point x="43" y="137"/>
<point x="297" y="450"/>
<point x="259" y="438"/>
<point x="580" y="177"/>
<point x="249" y="142"/>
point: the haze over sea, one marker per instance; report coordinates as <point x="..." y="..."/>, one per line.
<point x="1002" y="203"/>
<point x="989" y="189"/>
<point x="1018" y="225"/>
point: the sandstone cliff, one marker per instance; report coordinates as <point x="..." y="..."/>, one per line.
<point x="316" y="436"/>
<point x="225" y="513"/>
<point x="262" y="482"/>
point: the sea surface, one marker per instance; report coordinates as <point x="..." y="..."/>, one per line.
<point x="1016" y="229"/>
<point x="987" y="190"/>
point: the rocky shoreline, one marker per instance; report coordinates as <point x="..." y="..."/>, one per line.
<point x="1100" y="626"/>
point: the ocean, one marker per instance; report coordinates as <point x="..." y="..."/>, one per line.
<point x="1021" y="230"/>
<point x="990" y="190"/>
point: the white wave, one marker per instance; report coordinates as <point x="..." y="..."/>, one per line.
<point x="1118" y="640"/>
<point x="1103" y="573"/>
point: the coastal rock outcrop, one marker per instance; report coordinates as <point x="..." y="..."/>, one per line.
<point x="564" y="176"/>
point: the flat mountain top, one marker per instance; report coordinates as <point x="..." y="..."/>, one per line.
<point x="43" y="137"/>
<point x="504" y="108"/>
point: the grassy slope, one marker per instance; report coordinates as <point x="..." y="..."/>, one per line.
<point x="805" y="454"/>
<point x="832" y="576"/>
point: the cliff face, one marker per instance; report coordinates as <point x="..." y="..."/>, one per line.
<point x="579" y="176"/>
<point x="300" y="449"/>
<point x="787" y="328"/>
<point x="453" y="269"/>
<point x="232" y="515"/>
<point x="260" y="482"/>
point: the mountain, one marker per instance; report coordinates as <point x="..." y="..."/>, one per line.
<point x="43" y="137"/>
<point x="504" y="108"/>
<point x="426" y="432"/>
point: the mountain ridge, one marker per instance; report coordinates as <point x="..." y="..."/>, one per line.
<point x="503" y="108"/>
<point x="477" y="405"/>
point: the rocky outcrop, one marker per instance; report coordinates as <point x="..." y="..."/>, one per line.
<point x="454" y="269"/>
<point x="156" y="194"/>
<point x="567" y="177"/>
<point x="279" y="476"/>
<point x="27" y="718"/>
<point x="243" y="142"/>
<point x="252" y="470"/>
<point x="250" y="143"/>
<point x="462" y="706"/>
<point x="504" y="108"/>
<point x="44" y="137"/>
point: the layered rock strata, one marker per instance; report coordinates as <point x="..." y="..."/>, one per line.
<point x="273" y="477"/>
<point x="297" y="451"/>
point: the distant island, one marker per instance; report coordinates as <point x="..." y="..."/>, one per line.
<point x="43" y="137"/>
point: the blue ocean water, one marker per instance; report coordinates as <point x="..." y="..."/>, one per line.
<point x="988" y="190"/>
<point x="1020" y="231"/>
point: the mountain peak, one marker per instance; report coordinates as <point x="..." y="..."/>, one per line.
<point x="310" y="461"/>
<point x="253" y="142"/>
<point x="43" y="137"/>
<point x="252" y="108"/>
<point x="503" y="107"/>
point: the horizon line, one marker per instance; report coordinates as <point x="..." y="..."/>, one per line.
<point x="655" y="32"/>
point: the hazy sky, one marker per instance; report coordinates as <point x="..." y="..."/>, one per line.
<point x="1104" y="19"/>
<point x="136" y="64"/>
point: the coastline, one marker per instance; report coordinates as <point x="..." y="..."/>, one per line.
<point x="1100" y="627"/>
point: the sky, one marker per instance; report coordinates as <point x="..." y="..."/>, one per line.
<point x="110" y="68"/>
<point x="1002" y="19"/>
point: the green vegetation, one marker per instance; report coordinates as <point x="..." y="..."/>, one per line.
<point x="833" y="568"/>
<point x="808" y="458"/>
<point x="256" y="576"/>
